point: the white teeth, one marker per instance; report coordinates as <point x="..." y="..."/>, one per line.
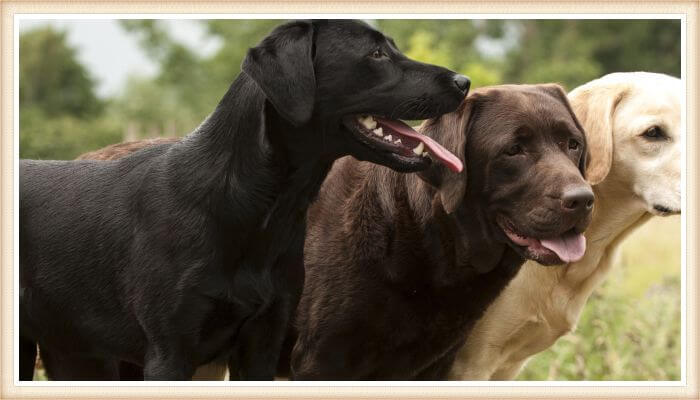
<point x="387" y="138"/>
<point x="397" y="141"/>
<point x="418" y="150"/>
<point x="368" y="122"/>
<point x="378" y="132"/>
<point x="425" y="154"/>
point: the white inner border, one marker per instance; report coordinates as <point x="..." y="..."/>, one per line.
<point x="681" y="383"/>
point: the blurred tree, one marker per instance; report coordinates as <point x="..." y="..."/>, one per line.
<point x="450" y="43"/>
<point x="573" y="52"/>
<point x="60" y="115"/>
<point x="188" y="86"/>
<point x="55" y="81"/>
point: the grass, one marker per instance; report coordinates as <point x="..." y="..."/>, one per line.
<point x="630" y="328"/>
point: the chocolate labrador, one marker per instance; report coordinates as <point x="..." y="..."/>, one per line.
<point x="400" y="266"/>
<point x="187" y="252"/>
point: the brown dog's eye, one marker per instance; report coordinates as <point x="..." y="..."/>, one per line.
<point x="574" y="144"/>
<point x="654" y="133"/>
<point x="514" y="150"/>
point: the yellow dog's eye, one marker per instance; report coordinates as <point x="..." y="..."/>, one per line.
<point x="654" y="133"/>
<point x="574" y="144"/>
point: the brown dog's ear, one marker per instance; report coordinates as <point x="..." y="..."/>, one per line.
<point x="282" y="65"/>
<point x="594" y="104"/>
<point x="450" y="130"/>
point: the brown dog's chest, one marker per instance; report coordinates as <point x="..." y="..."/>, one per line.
<point x="416" y="330"/>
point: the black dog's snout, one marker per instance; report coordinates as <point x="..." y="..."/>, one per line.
<point x="578" y="199"/>
<point x="463" y="83"/>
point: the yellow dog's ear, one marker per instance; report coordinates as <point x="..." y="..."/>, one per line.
<point x="594" y="105"/>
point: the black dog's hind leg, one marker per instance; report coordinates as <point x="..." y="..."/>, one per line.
<point x="27" y="358"/>
<point x="62" y="367"/>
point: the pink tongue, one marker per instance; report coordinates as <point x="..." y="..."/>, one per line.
<point x="441" y="153"/>
<point x="569" y="247"/>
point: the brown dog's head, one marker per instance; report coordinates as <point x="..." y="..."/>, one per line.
<point x="525" y="157"/>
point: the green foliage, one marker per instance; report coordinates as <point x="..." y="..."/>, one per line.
<point x="63" y="137"/>
<point x="51" y="78"/>
<point x="154" y="108"/>
<point x="60" y="115"/>
<point x="449" y="43"/>
<point x="573" y="52"/>
<point x="188" y="87"/>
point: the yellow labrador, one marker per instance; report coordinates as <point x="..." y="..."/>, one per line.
<point x="633" y="125"/>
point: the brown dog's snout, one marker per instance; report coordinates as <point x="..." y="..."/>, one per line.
<point x="577" y="200"/>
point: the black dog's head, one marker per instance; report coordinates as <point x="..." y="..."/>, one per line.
<point x="352" y="84"/>
<point x="525" y="156"/>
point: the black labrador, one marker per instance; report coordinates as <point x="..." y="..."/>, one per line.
<point x="183" y="253"/>
<point x="400" y="266"/>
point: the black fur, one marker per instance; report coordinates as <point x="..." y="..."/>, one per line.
<point x="182" y="253"/>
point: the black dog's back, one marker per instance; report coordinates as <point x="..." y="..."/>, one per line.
<point x="86" y="248"/>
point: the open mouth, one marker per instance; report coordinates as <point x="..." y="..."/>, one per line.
<point x="664" y="211"/>
<point x="566" y="247"/>
<point x="397" y="138"/>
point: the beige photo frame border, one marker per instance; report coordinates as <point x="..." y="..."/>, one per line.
<point x="8" y="387"/>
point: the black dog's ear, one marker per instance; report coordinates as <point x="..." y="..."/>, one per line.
<point x="282" y="65"/>
<point x="451" y="130"/>
<point x="558" y="93"/>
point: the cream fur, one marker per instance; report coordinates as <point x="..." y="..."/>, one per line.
<point x="630" y="176"/>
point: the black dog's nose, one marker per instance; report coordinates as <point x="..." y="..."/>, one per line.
<point x="577" y="199"/>
<point x="462" y="83"/>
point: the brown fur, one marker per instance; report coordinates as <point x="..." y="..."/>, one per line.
<point x="119" y="150"/>
<point x="391" y="260"/>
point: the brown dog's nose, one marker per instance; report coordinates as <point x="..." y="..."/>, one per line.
<point x="463" y="83"/>
<point x="578" y="199"/>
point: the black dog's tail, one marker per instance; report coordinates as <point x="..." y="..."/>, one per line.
<point x="27" y="347"/>
<point x="27" y="358"/>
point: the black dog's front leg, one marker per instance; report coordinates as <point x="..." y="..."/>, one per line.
<point x="60" y="366"/>
<point x="260" y="342"/>
<point x="440" y="369"/>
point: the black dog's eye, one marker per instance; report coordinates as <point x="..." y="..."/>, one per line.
<point x="574" y="144"/>
<point x="654" y="133"/>
<point x="514" y="150"/>
<point x="377" y="54"/>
